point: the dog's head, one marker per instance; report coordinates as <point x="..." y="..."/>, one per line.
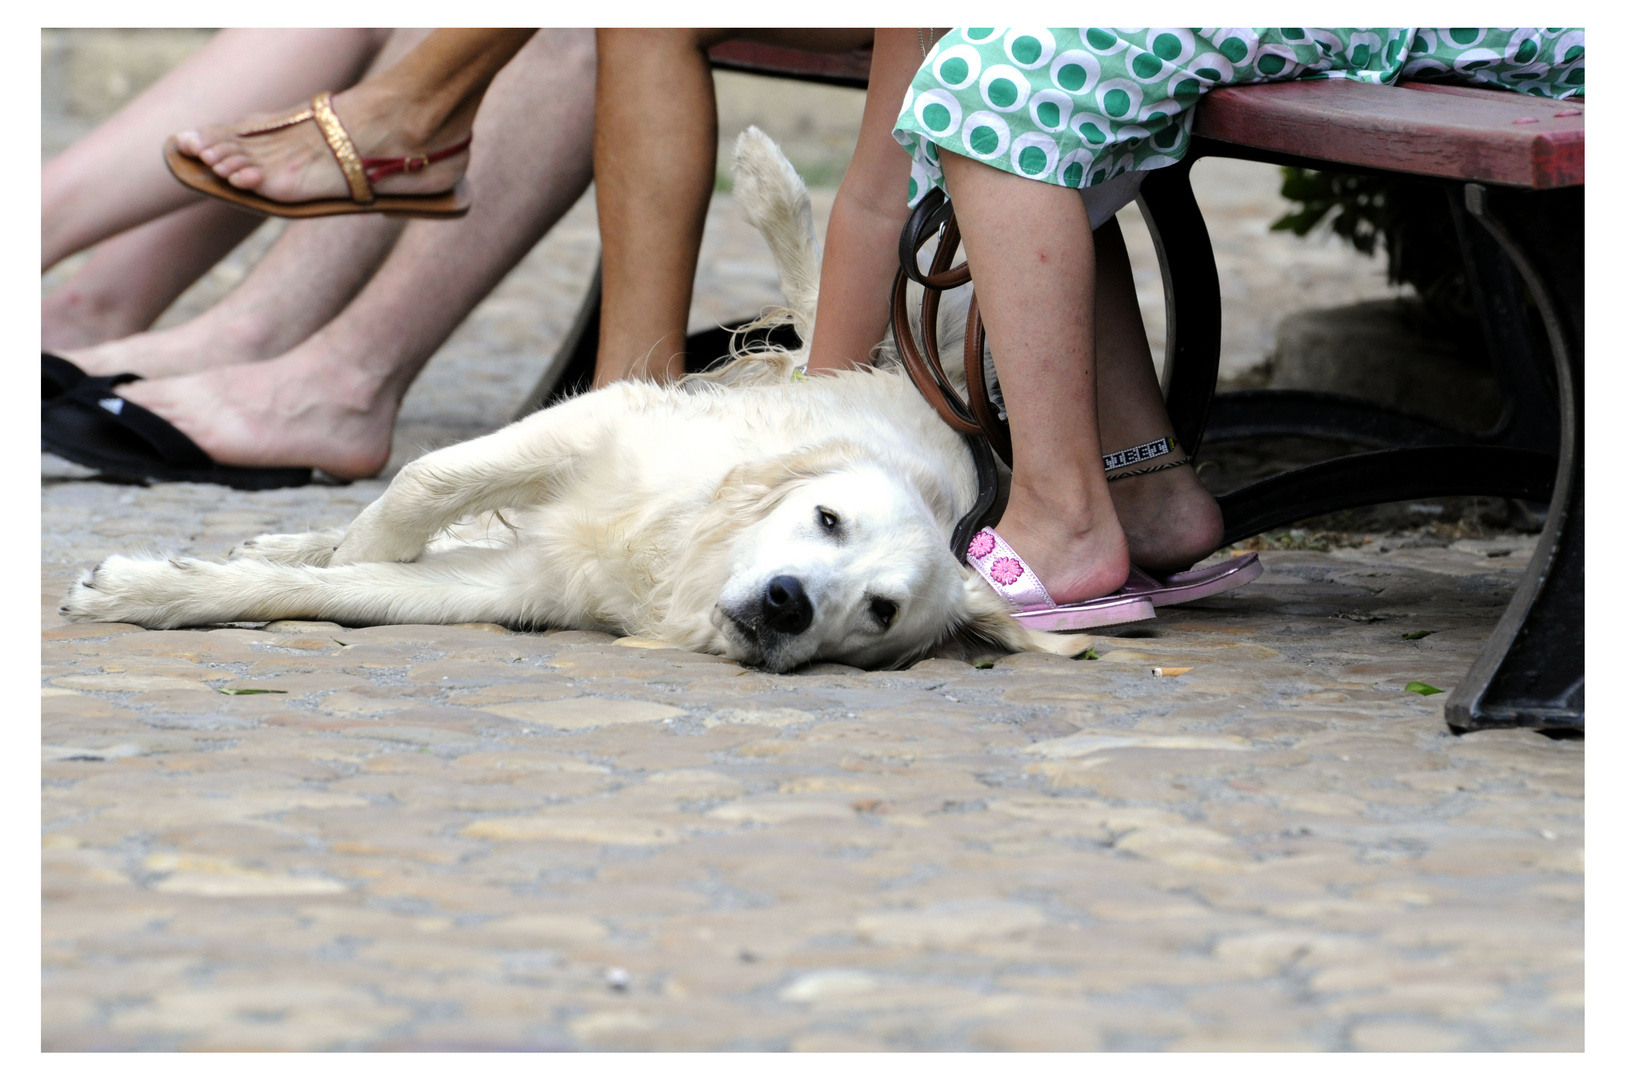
<point x="834" y="555"/>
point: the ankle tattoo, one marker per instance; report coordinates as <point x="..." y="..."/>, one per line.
<point x="1146" y="451"/>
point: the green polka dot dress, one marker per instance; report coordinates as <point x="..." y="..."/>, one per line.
<point x="1080" y="107"/>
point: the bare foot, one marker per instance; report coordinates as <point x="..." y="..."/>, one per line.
<point x="293" y="164"/>
<point x="285" y="412"/>
<point x="1169" y="518"/>
<point x="1078" y="553"/>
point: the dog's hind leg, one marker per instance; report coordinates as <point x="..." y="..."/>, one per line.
<point x="464" y="585"/>
<point x="521" y="465"/>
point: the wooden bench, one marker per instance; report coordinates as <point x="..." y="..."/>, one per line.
<point x="1513" y="167"/>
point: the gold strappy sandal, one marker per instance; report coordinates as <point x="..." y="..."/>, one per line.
<point x="359" y="172"/>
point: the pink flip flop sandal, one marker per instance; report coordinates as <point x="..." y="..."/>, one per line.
<point x="1192" y="584"/>
<point x="990" y="556"/>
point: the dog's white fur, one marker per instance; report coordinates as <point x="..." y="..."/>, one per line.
<point x="661" y="512"/>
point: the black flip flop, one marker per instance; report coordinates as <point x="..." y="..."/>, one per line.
<point x="94" y="427"/>
<point x="58" y="376"/>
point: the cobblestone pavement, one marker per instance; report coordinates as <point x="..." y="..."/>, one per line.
<point x="305" y="836"/>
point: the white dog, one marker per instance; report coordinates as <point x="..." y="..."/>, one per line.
<point x="757" y="514"/>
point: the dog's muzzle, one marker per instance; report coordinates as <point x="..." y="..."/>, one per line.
<point x="765" y="628"/>
<point x="785" y="606"/>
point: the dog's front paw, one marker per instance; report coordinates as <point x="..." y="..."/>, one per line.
<point x="291" y="549"/>
<point x="369" y="539"/>
<point x="121" y="589"/>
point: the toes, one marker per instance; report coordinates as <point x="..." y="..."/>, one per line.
<point x="82" y="598"/>
<point x="223" y="167"/>
<point x="215" y="153"/>
<point x="249" y="177"/>
<point x="289" y="549"/>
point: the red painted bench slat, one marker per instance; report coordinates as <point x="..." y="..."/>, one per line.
<point x="1455" y="132"/>
<point x="841" y="69"/>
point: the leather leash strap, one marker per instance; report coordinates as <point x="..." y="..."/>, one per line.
<point x="977" y="419"/>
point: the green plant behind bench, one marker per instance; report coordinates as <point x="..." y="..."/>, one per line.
<point x="1413" y="222"/>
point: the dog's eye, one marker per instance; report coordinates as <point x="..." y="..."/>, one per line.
<point x="828" y="519"/>
<point x="884" y="610"/>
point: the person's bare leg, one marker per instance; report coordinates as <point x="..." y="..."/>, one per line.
<point x="130" y="280"/>
<point x="424" y="103"/>
<point x="132" y="277"/>
<point x="306" y="278"/>
<point x="655" y="163"/>
<point x="114" y="178"/>
<point x="1170" y="519"/>
<point x="871" y="206"/>
<point x="331" y="401"/>
<point x="1032" y="256"/>
<point x="312" y="270"/>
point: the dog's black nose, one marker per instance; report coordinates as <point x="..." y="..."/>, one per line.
<point x="785" y="606"/>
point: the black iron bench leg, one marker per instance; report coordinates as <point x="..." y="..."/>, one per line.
<point x="1191" y="298"/>
<point x="1532" y="672"/>
<point x="1515" y="346"/>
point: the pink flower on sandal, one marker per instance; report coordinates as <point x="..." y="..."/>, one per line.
<point x="1006" y="570"/>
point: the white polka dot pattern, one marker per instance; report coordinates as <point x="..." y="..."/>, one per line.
<point x="1079" y="106"/>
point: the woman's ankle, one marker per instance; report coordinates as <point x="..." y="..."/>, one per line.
<point x="1170" y="520"/>
<point x="414" y="116"/>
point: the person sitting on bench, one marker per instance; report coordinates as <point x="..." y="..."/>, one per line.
<point x="1014" y="125"/>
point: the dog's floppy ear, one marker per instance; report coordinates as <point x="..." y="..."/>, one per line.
<point x="989" y="622"/>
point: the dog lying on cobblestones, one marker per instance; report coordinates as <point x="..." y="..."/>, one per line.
<point x="756" y="513"/>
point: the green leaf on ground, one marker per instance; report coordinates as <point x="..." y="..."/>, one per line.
<point x="1415" y="635"/>
<point x="983" y="665"/>
<point x="1090" y="654"/>
<point x="1415" y="687"/>
<point x="346" y="644"/>
<point x="250" y="690"/>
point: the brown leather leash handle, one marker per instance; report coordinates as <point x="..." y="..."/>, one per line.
<point x="985" y="434"/>
<point x="935" y="215"/>
<point x="932" y="213"/>
<point x="927" y="375"/>
<point x="997" y="431"/>
<point x="932" y="216"/>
